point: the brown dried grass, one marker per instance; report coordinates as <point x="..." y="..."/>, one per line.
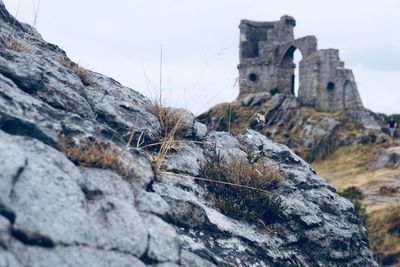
<point x="84" y="75"/>
<point x="243" y="190"/>
<point x="93" y="154"/>
<point x="384" y="232"/>
<point x="157" y="159"/>
<point x="169" y="119"/>
<point x="258" y="175"/>
<point x="170" y="123"/>
<point x="14" y="45"/>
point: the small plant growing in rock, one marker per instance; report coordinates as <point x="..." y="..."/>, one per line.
<point x="275" y="91"/>
<point x="229" y="112"/>
<point x="157" y="158"/>
<point x="354" y="194"/>
<point x="360" y="211"/>
<point x="244" y="190"/>
<point x="167" y="117"/>
<point x="323" y="150"/>
<point x="13" y="45"/>
<point x="170" y="123"/>
<point x="92" y="154"/>
<point x="83" y="74"/>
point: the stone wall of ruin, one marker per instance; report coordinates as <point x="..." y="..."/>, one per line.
<point x="266" y="63"/>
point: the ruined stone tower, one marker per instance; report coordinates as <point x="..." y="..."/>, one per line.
<point x="266" y="63"/>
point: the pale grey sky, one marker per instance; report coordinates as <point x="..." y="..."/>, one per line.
<point x="200" y="39"/>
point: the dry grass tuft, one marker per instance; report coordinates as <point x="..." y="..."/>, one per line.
<point x="168" y="118"/>
<point x="244" y="190"/>
<point x="170" y="124"/>
<point x="389" y="190"/>
<point x="83" y="74"/>
<point x="93" y="154"/>
<point x="14" y="45"/>
<point x="384" y="234"/>
<point x="257" y="175"/>
<point x="157" y="159"/>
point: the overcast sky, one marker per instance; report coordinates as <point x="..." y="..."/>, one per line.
<point x="122" y="39"/>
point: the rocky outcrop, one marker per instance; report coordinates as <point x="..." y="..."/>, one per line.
<point x="310" y="133"/>
<point x="389" y="158"/>
<point x="52" y="209"/>
<point x="56" y="212"/>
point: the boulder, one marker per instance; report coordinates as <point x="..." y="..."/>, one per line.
<point x="186" y="157"/>
<point x="50" y="201"/>
<point x="389" y="158"/>
<point x="200" y="130"/>
<point x="163" y="243"/>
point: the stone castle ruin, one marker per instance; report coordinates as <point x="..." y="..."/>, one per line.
<point x="266" y="63"/>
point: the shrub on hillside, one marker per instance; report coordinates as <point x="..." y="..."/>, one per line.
<point x="354" y="194"/>
<point x="243" y="190"/>
<point x="323" y="150"/>
<point x="275" y="91"/>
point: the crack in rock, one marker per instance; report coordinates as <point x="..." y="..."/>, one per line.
<point x="91" y="195"/>
<point x="145" y="257"/>
<point x="16" y="177"/>
<point x="32" y="239"/>
<point x="8" y="213"/>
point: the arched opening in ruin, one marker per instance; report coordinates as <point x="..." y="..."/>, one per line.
<point x="296" y="80"/>
<point x="290" y="70"/>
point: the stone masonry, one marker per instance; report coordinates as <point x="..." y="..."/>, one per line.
<point x="266" y="63"/>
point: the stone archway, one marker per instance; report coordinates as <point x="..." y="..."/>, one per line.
<point x="288" y="70"/>
<point x="287" y="67"/>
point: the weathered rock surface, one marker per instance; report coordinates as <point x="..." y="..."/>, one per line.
<point x="185" y="158"/>
<point x="54" y="212"/>
<point x="389" y="158"/>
